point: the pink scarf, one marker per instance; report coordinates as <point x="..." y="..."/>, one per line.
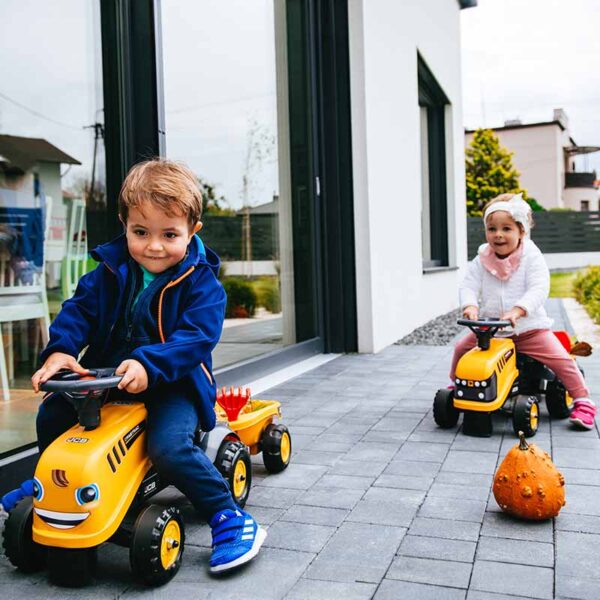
<point x="502" y="268"/>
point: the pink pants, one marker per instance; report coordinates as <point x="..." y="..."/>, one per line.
<point x="542" y="345"/>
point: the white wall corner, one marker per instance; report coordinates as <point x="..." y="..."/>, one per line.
<point x="362" y="233"/>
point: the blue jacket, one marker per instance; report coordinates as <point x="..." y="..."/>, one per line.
<point x="187" y="313"/>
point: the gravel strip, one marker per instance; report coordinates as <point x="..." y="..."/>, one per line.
<point x="437" y="332"/>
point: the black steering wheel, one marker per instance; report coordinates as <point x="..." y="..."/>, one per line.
<point x="70" y="382"/>
<point x="484" y="329"/>
<point x="87" y="393"/>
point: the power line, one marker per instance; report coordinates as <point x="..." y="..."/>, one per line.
<point x="38" y="114"/>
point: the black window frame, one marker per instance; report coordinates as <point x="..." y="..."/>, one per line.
<point x="435" y="101"/>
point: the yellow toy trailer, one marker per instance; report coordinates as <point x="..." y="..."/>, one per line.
<point x="492" y="377"/>
<point x="93" y="483"/>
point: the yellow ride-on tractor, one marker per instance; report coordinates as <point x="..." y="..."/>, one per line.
<point x="94" y="482"/>
<point x="492" y="377"/>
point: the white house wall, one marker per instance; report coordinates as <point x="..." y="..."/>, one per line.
<point x="393" y="294"/>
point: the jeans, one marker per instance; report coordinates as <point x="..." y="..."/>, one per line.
<point x="170" y="428"/>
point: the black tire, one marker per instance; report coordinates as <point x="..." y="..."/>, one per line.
<point x="558" y="401"/>
<point x="233" y="462"/>
<point x="276" y="445"/>
<point x="19" y="547"/>
<point x="72" y="567"/>
<point x="157" y="544"/>
<point x="525" y="415"/>
<point x="444" y="413"/>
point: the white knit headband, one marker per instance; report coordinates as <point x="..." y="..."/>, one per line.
<point x="518" y="209"/>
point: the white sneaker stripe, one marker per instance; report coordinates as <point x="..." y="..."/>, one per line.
<point x="247" y="537"/>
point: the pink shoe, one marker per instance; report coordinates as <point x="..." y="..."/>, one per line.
<point x="583" y="414"/>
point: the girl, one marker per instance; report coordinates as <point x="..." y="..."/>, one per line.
<point x="509" y="278"/>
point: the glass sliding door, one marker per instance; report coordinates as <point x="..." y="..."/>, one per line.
<point x="238" y="115"/>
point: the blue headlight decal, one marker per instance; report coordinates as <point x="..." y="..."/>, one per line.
<point x="87" y="493"/>
<point x="38" y="489"/>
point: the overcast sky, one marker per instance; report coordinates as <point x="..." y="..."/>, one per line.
<point x="523" y="58"/>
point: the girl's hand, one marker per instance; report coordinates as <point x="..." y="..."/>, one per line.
<point x="471" y="313"/>
<point x="513" y="315"/>
<point x="54" y="363"/>
<point x="135" y="378"/>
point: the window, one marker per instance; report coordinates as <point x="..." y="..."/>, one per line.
<point x="585" y="205"/>
<point x="434" y="221"/>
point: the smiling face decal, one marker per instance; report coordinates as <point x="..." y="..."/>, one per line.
<point x="59" y="519"/>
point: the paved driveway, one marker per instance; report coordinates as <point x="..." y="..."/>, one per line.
<point x="380" y="503"/>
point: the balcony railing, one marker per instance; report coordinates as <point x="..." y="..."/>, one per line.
<point x="580" y="180"/>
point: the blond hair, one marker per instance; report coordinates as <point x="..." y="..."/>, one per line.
<point x="506" y="198"/>
<point x="168" y="185"/>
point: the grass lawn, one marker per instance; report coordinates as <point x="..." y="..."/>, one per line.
<point x="561" y="285"/>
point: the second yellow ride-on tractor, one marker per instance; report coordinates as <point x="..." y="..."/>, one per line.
<point x="493" y="377"/>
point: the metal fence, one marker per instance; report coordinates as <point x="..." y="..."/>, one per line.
<point x="553" y="232"/>
<point x="224" y="236"/>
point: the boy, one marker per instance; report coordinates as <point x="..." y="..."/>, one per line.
<point x="154" y="309"/>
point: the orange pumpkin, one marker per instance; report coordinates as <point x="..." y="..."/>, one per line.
<point x="527" y="484"/>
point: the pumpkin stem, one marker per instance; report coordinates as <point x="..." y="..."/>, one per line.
<point x="522" y="443"/>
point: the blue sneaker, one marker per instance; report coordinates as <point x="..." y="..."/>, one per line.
<point x="10" y="499"/>
<point x="236" y="539"/>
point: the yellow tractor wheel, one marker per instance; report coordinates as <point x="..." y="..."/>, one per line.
<point x="157" y="544"/>
<point x="233" y="461"/>
<point x="276" y="445"/>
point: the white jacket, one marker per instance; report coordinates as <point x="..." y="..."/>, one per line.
<point x="528" y="287"/>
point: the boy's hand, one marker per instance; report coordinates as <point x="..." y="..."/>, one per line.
<point x="135" y="378"/>
<point x="513" y="315"/>
<point x="54" y="363"/>
<point x="471" y="313"/>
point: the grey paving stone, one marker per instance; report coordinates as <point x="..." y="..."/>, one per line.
<point x="445" y="508"/>
<point x="404" y="482"/>
<point x="270" y="575"/>
<point x="326" y="590"/>
<point x="444" y="528"/>
<point x="300" y="477"/>
<point x="320" y="445"/>
<point x="357" y="552"/>
<point x="464" y="461"/>
<point x="298" y="536"/>
<point x="315" y="515"/>
<point x="499" y="524"/>
<point x="476" y="595"/>
<point x="520" y="552"/>
<point x="577" y="523"/>
<point x="367" y="451"/>
<point x="270" y="497"/>
<point x="577" y="555"/>
<point x="358" y="468"/>
<point x="430" y="547"/>
<point x="426" y="570"/>
<point x="392" y="438"/>
<point x="412" y="468"/>
<point x="475" y="444"/>
<point x="504" y="578"/>
<point x="344" y="481"/>
<point x="446" y="490"/>
<point x="383" y="513"/>
<point x="443" y="436"/>
<point x="582" y="499"/>
<point x="575" y="457"/>
<point x="331" y="497"/>
<point x="465" y="479"/>
<point x="314" y="457"/>
<point x="394" y="590"/>
<point x="581" y="476"/>
<point x="423" y="452"/>
<point x="577" y="587"/>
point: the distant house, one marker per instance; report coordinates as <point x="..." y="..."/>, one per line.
<point x="544" y="154"/>
<point x="29" y="166"/>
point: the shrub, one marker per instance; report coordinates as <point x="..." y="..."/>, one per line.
<point x="587" y="291"/>
<point x="267" y="293"/>
<point x="241" y="297"/>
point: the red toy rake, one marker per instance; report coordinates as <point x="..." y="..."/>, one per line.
<point x="232" y="401"/>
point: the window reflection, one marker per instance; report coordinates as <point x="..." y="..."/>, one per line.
<point x="221" y="90"/>
<point x="52" y="171"/>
